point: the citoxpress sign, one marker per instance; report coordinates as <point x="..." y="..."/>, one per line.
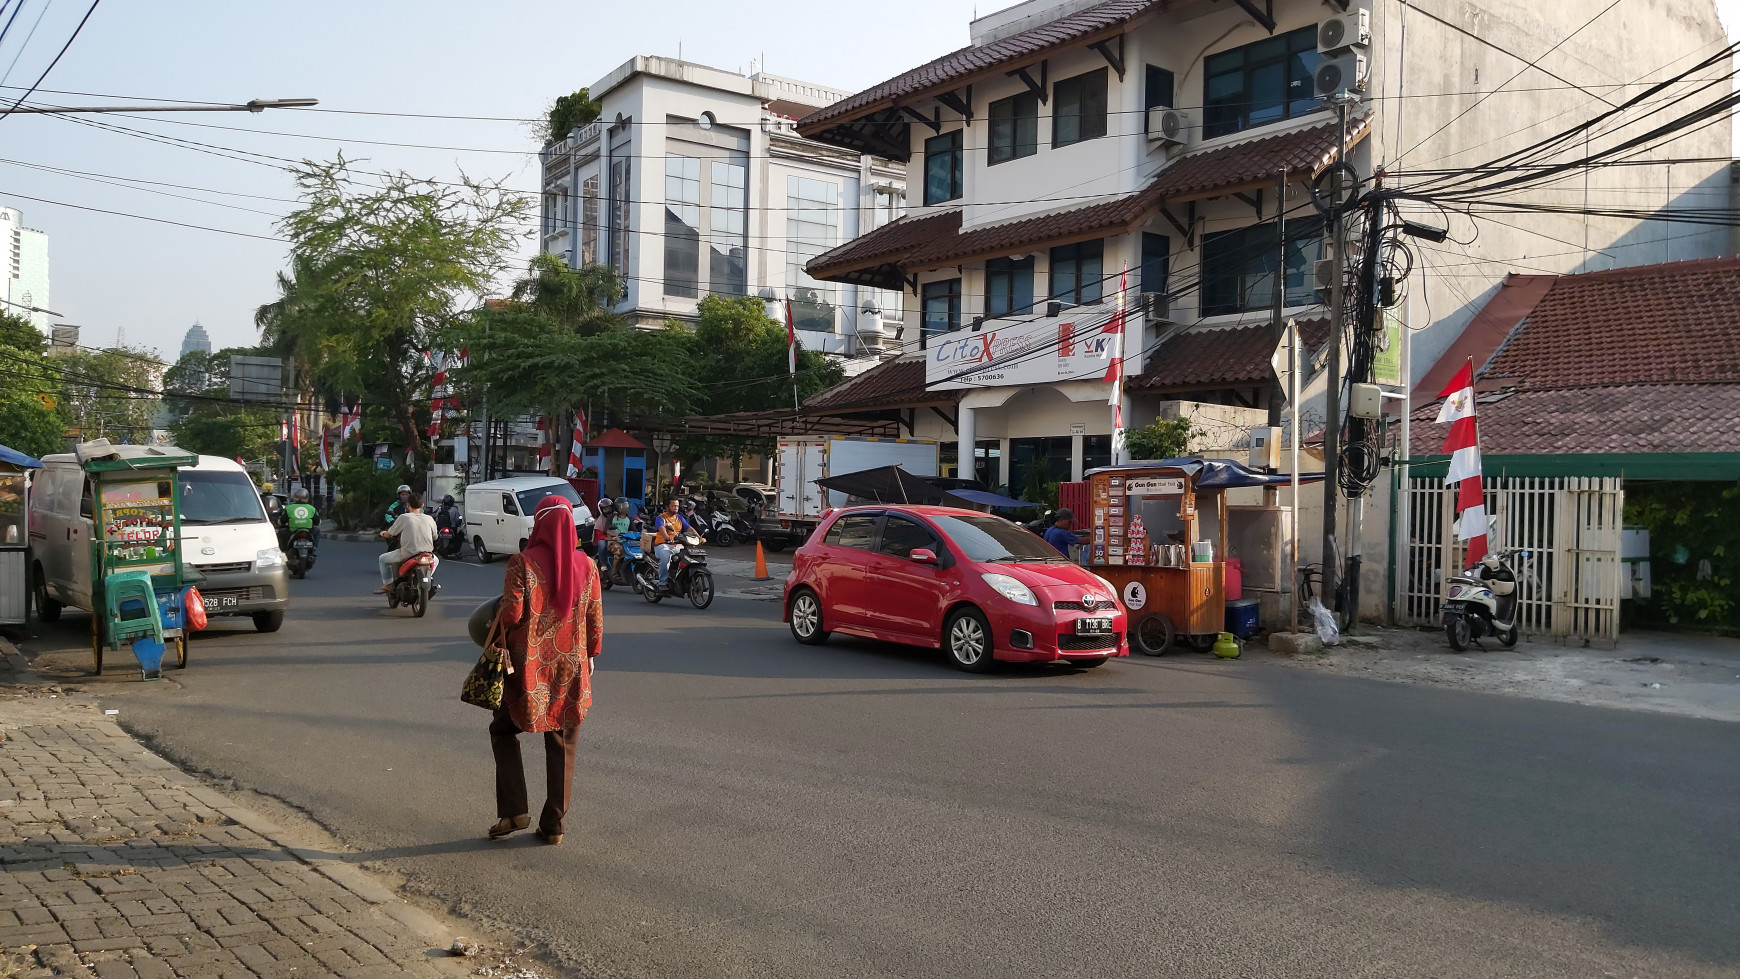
<point x="1039" y="351"/>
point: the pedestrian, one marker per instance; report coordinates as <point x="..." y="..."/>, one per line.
<point x="552" y="624"/>
<point x="415" y="531"/>
<point x="1061" y="534"/>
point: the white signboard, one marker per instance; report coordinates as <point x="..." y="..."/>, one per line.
<point x="1153" y="486"/>
<point x="1073" y="347"/>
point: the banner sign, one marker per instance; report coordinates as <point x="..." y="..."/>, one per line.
<point x="1045" y="350"/>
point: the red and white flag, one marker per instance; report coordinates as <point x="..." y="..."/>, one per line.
<point x="1115" y="369"/>
<point x="577" y="448"/>
<point x="544" y="446"/>
<point x="325" y="458"/>
<point x="790" y="340"/>
<point x="1463" y="447"/>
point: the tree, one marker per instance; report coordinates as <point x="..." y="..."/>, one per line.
<point x="205" y="420"/>
<point x="112" y="393"/>
<point x="377" y="273"/>
<point x="566" y="114"/>
<point x="28" y="421"/>
<point x="1168" y="438"/>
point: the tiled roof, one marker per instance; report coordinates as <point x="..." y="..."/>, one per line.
<point x="936" y="239"/>
<point x="1225" y="356"/>
<point x="615" y="438"/>
<point x="1624" y="418"/>
<point x="958" y="67"/>
<point x="1674" y="323"/>
<point x="896" y="383"/>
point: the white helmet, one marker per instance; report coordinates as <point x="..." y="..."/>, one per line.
<point x="402" y="489"/>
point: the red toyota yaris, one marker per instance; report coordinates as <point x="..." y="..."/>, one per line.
<point x="974" y="585"/>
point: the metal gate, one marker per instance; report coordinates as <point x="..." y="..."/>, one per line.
<point x="1570" y="580"/>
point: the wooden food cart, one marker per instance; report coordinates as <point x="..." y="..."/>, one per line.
<point x="136" y="535"/>
<point x="1158" y="534"/>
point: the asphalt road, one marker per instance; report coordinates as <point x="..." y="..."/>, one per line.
<point x="745" y="806"/>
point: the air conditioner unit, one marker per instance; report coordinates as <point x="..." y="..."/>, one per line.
<point x="1156" y="307"/>
<point x="1168" y="125"/>
<point x="1323" y="274"/>
<point x="1341" y="78"/>
<point x="1344" y="33"/>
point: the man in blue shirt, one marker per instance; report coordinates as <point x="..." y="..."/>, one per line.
<point x="1061" y="535"/>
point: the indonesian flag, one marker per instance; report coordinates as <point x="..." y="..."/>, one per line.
<point x="1115" y="329"/>
<point x="325" y="458"/>
<point x="577" y="447"/>
<point x="283" y="430"/>
<point x="790" y="340"/>
<point x="296" y="440"/>
<point x="544" y="446"/>
<point x="1463" y="447"/>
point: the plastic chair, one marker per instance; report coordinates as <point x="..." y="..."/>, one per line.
<point x="132" y="607"/>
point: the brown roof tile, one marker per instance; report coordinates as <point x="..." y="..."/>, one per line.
<point x="1625" y="418"/>
<point x="889" y="244"/>
<point x="1222" y="356"/>
<point x="895" y="383"/>
<point x="956" y="68"/>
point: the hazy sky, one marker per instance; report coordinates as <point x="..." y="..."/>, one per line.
<point x="505" y="59"/>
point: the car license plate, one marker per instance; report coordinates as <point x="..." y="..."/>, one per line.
<point x="215" y="602"/>
<point x="1093" y="627"/>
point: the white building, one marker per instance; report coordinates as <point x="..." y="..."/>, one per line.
<point x="195" y="339"/>
<point x="693" y="181"/>
<point x="1074" y="139"/>
<point x="26" y="269"/>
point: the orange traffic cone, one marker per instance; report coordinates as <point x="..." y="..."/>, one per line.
<point x="761" y="564"/>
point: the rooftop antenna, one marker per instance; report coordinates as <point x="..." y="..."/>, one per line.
<point x="679" y="49"/>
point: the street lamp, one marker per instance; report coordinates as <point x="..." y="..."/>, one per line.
<point x="255" y="105"/>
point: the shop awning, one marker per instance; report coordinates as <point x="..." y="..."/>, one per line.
<point x="1215" y="473"/>
<point x="987" y="498"/>
<point x="885" y="484"/>
<point x="13" y="457"/>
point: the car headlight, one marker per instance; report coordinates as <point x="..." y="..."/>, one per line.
<point x="1011" y="589"/>
<point x="1111" y="589"/>
<point x="268" y="559"/>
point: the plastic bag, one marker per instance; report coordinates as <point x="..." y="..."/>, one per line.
<point x="1325" y="621"/>
<point x="195" y="610"/>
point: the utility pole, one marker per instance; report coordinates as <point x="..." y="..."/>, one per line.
<point x="1279" y="394"/>
<point x="1366" y="326"/>
<point x="1332" y="425"/>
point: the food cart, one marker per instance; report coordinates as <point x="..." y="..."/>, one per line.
<point x="14" y="536"/>
<point x="1158" y="534"/>
<point x="139" y="584"/>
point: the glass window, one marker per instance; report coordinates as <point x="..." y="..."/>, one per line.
<point x="1096" y="451"/>
<point x="508" y="505"/>
<point x="990" y="539"/>
<point x="1260" y="83"/>
<point x="1033" y="462"/>
<point x="1014" y="128"/>
<point x="1008" y="287"/>
<point x="854" y="530"/>
<point x="1156" y="251"/>
<point x="943" y="167"/>
<point x="1078" y="108"/>
<point x="1078" y="272"/>
<point x="942" y="307"/>
<point x="988" y="462"/>
<point x="1158" y="88"/>
<point x="900" y="537"/>
<point x="217" y="497"/>
<point x="727" y="210"/>
<point x="1238" y="267"/>
<point x="589" y="220"/>
<point x="620" y="208"/>
<point x="812" y="226"/>
<point x="682" y="226"/>
<point x="529" y="499"/>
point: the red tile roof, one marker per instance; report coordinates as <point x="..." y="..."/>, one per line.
<point x="1515" y="299"/>
<point x="615" y="438"/>
<point x="1224" y="356"/>
<point x="1624" y="418"/>
<point x="962" y="66"/>
<point x="895" y="383"/>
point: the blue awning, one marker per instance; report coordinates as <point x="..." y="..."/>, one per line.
<point x="987" y="498"/>
<point x="14" y="457"/>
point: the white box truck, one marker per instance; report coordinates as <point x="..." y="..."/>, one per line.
<point x="799" y="462"/>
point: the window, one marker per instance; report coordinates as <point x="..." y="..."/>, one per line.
<point x="812" y="226"/>
<point x="1078" y="108"/>
<point x="589" y="221"/>
<point x="1078" y="272"/>
<point x="508" y="506"/>
<point x="1034" y="462"/>
<point x="1238" y="267"/>
<point x="853" y="530"/>
<point x="682" y="226"/>
<point x="1156" y="251"/>
<point x="1158" y="88"/>
<point x="1260" y="83"/>
<point x="727" y="209"/>
<point x="942" y="307"/>
<point x="620" y="207"/>
<point x="1014" y="128"/>
<point x="943" y="164"/>
<point x="988" y="462"/>
<point x="1008" y="287"/>
<point x="213" y="497"/>
<point x="1096" y="451"/>
<point x="529" y="499"/>
<point x="986" y="539"/>
<point x="900" y="537"/>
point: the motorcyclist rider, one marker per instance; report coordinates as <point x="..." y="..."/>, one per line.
<point x="669" y="526"/>
<point x="415" y="533"/>
<point x="301" y="515"/>
<point x="448" y="516"/>
<point x="399" y="505"/>
<point x="603" y="530"/>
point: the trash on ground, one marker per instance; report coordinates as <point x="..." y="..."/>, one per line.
<point x="111" y="713"/>
<point x="1325" y="621"/>
<point x="465" y="947"/>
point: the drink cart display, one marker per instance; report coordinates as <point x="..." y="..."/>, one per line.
<point x="14" y="536"/>
<point x="1158" y="534"/>
<point x="139" y="585"/>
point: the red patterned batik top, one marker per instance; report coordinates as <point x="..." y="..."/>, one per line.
<point x="551" y="648"/>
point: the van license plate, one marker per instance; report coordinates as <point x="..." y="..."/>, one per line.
<point x="215" y="602"/>
<point x="1093" y="627"/>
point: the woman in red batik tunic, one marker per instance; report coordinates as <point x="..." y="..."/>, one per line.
<point x="552" y="623"/>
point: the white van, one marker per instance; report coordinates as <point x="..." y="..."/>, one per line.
<point x="224" y="535"/>
<point x="498" y="513"/>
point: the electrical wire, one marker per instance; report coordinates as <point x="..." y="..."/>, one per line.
<point x="62" y="53"/>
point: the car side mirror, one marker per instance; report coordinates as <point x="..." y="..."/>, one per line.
<point x="923" y="555"/>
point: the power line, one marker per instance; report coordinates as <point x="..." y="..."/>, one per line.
<point x="62" y="53"/>
<point x="141" y="217"/>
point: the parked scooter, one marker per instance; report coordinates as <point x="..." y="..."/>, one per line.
<point x="715" y="524"/>
<point x="415" y="584"/>
<point x="1483" y="602"/>
<point x="688" y="575"/>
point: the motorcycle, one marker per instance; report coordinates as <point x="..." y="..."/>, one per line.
<point x="415" y="584"/>
<point x="621" y="555"/>
<point x="300" y="552"/>
<point x="715" y="525"/>
<point x="1483" y="602"/>
<point x="688" y="575"/>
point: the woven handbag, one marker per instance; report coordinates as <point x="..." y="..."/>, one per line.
<point x="486" y="684"/>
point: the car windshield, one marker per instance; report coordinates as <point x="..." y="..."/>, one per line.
<point x="529" y="499"/>
<point x="992" y="540"/>
<point x="214" y="497"/>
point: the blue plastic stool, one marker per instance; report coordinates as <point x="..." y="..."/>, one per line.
<point x="132" y="607"/>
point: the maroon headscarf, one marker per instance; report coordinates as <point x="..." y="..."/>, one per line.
<point x="551" y="550"/>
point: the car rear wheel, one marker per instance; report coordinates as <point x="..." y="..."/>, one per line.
<point x="806" y="619"/>
<point x="1154" y="634"/>
<point x="967" y="639"/>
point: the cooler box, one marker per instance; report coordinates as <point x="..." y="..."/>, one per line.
<point x="1244" y="617"/>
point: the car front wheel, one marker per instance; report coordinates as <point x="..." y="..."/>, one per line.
<point x="806" y="619"/>
<point x="967" y="638"/>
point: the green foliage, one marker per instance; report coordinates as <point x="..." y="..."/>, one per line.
<point x="581" y="300"/>
<point x="364" y="492"/>
<point x="26" y="423"/>
<point x="109" y="393"/>
<point x="1168" y="438"/>
<point x="1694" y="541"/>
<point x="29" y="426"/>
<point x="21" y="335"/>
<point x="565" y="114"/>
<point x="196" y="390"/>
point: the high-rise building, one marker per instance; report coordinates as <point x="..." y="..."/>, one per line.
<point x="196" y="339"/>
<point x="24" y="276"/>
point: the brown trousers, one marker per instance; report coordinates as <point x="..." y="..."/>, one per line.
<point x="510" y="771"/>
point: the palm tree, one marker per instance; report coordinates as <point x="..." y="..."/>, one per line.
<point x="583" y="300"/>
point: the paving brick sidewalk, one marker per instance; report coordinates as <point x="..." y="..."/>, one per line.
<point x="115" y="864"/>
